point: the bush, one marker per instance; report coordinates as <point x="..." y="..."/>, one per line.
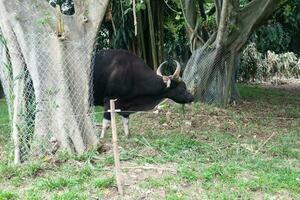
<point x="258" y="67"/>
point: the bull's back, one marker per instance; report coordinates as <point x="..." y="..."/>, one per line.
<point x="115" y="74"/>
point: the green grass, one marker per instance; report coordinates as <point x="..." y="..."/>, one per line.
<point x="57" y="183"/>
<point x="4" y="123"/>
<point x="247" y="151"/>
<point x="69" y="195"/>
<point x="6" y="195"/>
<point x="104" y="183"/>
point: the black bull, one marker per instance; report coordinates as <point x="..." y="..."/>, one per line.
<point x="118" y="74"/>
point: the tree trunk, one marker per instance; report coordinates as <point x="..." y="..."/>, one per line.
<point x="58" y="67"/>
<point x="159" y="18"/>
<point x="192" y="23"/>
<point x="210" y="69"/>
<point x="140" y="36"/>
<point x="152" y="35"/>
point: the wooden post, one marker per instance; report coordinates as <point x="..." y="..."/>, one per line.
<point x="59" y="23"/>
<point x="115" y="146"/>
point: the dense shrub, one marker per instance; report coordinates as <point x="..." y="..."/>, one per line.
<point x="271" y="37"/>
<point x="256" y="66"/>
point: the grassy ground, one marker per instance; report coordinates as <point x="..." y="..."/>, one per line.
<point x="247" y="151"/>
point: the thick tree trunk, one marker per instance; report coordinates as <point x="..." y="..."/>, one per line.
<point x="152" y="35"/>
<point x="159" y="19"/>
<point x="141" y="37"/>
<point x="210" y="70"/>
<point x="59" y="69"/>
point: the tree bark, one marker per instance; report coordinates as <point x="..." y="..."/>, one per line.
<point x="192" y="23"/>
<point x="152" y="35"/>
<point x="210" y="69"/>
<point x="141" y="35"/>
<point x="59" y="69"/>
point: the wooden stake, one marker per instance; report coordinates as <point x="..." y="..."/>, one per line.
<point x="115" y="146"/>
<point x="59" y="23"/>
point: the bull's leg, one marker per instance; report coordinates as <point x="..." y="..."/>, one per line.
<point x="125" y="121"/>
<point x="105" y="123"/>
<point x="105" y="126"/>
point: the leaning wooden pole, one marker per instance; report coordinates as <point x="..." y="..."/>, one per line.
<point x="115" y="146"/>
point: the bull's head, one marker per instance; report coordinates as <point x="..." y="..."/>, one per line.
<point x="176" y="88"/>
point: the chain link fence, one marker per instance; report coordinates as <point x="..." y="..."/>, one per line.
<point x="48" y="92"/>
<point x="55" y="96"/>
<point x="207" y="73"/>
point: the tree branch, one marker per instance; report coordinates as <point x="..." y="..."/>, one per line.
<point x="190" y="14"/>
<point x="211" y="11"/>
<point x="258" y="11"/>
<point x="218" y="5"/>
<point x="205" y="35"/>
<point x="222" y="23"/>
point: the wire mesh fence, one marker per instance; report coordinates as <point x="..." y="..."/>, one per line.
<point x="208" y="74"/>
<point x="48" y="93"/>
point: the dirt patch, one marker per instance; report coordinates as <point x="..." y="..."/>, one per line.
<point x="134" y="174"/>
<point x="291" y="86"/>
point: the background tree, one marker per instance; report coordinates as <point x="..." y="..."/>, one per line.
<point x="58" y="69"/>
<point x="281" y="33"/>
<point x="161" y="31"/>
<point x="271" y="52"/>
<point x="210" y="70"/>
<point x="184" y="26"/>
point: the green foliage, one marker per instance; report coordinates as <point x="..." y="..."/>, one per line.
<point x="69" y="195"/>
<point x="159" y="182"/>
<point x="6" y="195"/>
<point x="57" y="184"/>
<point x="45" y="20"/>
<point x="174" y="196"/>
<point x="210" y="23"/>
<point x="251" y="61"/>
<point x="32" y="194"/>
<point x="140" y="6"/>
<point x="33" y="169"/>
<point x="257" y="67"/>
<point x="119" y="33"/>
<point x="282" y="33"/>
<point x="271" y="37"/>
<point x="176" y="43"/>
<point x="175" y="38"/>
<point x="8" y="171"/>
<point x="188" y="173"/>
<point x="4" y="124"/>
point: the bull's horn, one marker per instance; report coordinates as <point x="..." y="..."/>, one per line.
<point x="176" y="74"/>
<point x="158" y="71"/>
